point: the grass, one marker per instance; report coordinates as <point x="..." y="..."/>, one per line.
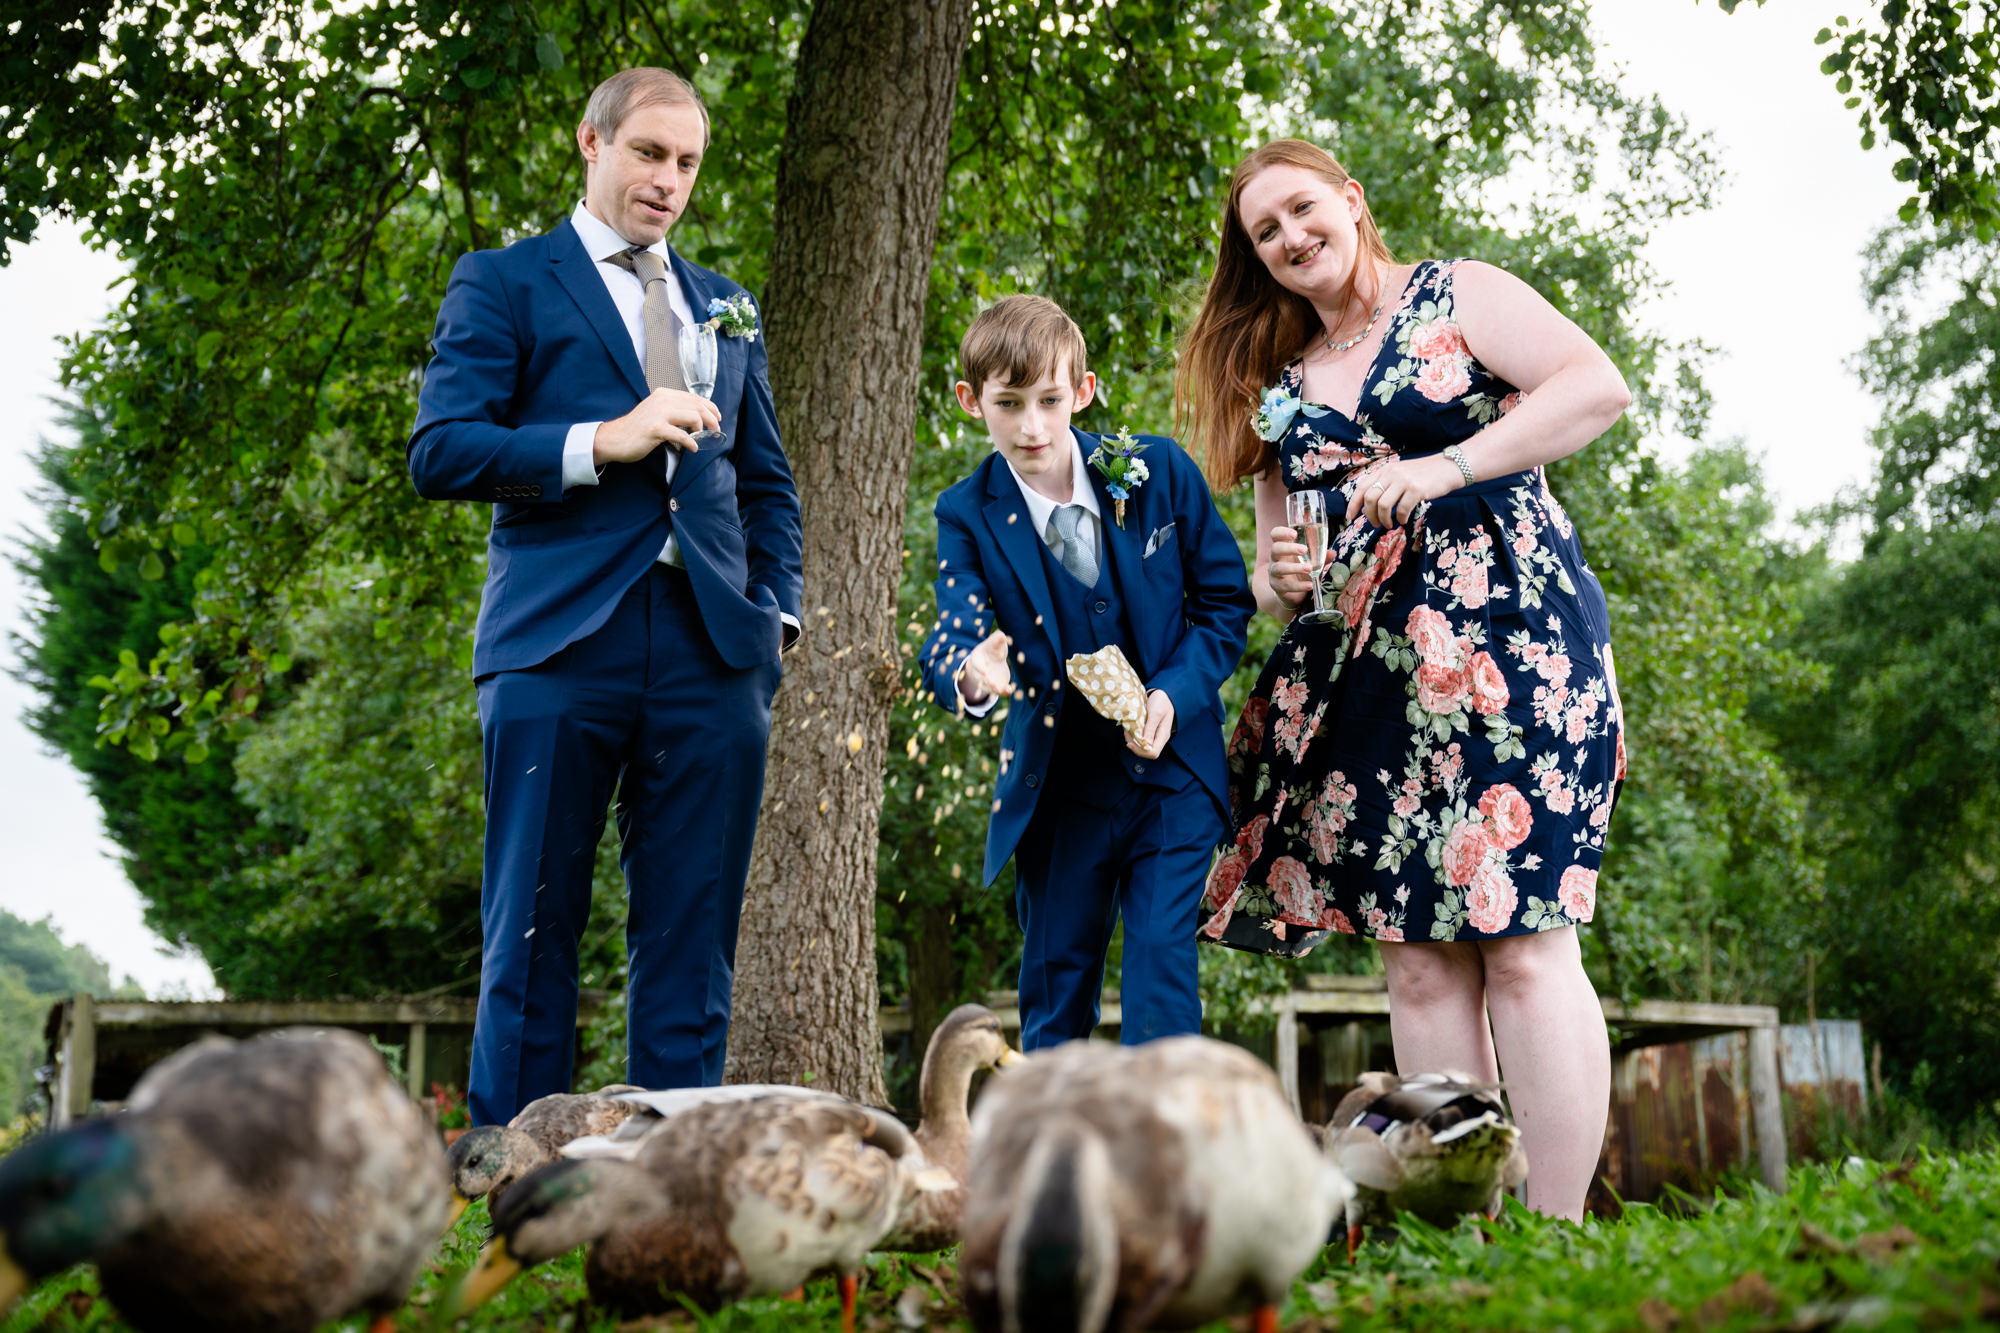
<point x="1913" y="1245"/>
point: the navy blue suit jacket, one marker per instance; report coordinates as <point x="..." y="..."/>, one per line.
<point x="528" y="343"/>
<point x="1187" y="599"/>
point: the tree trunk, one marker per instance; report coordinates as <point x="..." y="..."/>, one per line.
<point x="859" y="181"/>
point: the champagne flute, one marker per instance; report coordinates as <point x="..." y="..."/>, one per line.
<point x="1305" y="511"/>
<point x="698" y="358"/>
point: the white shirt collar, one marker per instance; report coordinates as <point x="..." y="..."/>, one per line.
<point x="600" y="242"/>
<point x="1081" y="492"/>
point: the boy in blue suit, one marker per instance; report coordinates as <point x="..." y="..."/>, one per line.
<point x="641" y="582"/>
<point x="1036" y="566"/>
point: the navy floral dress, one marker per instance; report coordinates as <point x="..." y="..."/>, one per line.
<point x="1440" y="763"/>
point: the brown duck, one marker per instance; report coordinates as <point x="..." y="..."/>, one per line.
<point x="488" y="1158"/>
<point x="1158" y="1186"/>
<point x="1438" y="1146"/>
<point x="734" y="1193"/>
<point x="968" y="1041"/>
<point x="266" y="1186"/>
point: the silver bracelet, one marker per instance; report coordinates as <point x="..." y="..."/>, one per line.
<point x="1457" y="455"/>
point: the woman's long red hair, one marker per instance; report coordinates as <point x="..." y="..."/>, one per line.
<point x="1249" y="327"/>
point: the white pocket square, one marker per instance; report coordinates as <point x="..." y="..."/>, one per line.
<point x="1159" y="538"/>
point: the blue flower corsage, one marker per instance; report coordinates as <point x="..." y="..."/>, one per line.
<point x="1123" y="470"/>
<point x="1275" y="415"/>
<point x="734" y="316"/>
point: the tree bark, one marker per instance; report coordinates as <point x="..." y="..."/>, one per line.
<point x="859" y="183"/>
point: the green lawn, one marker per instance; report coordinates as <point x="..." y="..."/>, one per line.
<point x="1860" y="1245"/>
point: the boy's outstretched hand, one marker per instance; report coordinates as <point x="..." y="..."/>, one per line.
<point x="1159" y="726"/>
<point x="985" y="672"/>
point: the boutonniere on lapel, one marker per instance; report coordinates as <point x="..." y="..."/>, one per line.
<point x="734" y="316"/>
<point x="1124" y="471"/>
<point x="1275" y="415"/>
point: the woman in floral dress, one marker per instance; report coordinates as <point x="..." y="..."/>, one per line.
<point x="1435" y="767"/>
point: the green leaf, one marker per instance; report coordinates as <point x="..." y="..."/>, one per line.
<point x="206" y="347"/>
<point x="547" y="54"/>
<point x="151" y="567"/>
<point x="280" y="664"/>
<point x="478" y="77"/>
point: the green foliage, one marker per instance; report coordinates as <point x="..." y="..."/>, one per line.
<point x="36" y="970"/>
<point x="1923" y="73"/>
<point x="1861" y="1244"/>
<point x="1899" y="745"/>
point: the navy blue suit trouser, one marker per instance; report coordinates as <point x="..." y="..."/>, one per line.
<point x="1077" y="871"/>
<point x="646" y="707"/>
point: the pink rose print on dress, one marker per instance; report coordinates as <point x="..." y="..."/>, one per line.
<point x="1442" y="689"/>
<point x="1249" y="736"/>
<point x="1469" y="585"/>
<point x="1431" y="633"/>
<point x="1556" y="794"/>
<point x="1389" y="551"/>
<point x="1377" y="921"/>
<point x="1465" y="851"/>
<point x="1224" y="880"/>
<point x="1251" y="839"/>
<point x="1576" y="724"/>
<point x="1445" y="380"/>
<point x="1437" y="338"/>
<point x="1508" y="815"/>
<point x="1289" y="696"/>
<point x="1578" y="893"/>
<point x="1509" y="403"/>
<point x="1291" y="886"/>
<point x="1489" y="685"/>
<point x="1553" y="667"/>
<point x="1335" y="919"/>
<point x="1360" y="590"/>
<point x="1490" y="902"/>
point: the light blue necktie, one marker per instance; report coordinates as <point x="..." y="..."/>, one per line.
<point x="1069" y="538"/>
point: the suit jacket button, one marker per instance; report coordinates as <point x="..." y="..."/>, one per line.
<point x="1101" y="607"/>
<point x="674" y="506"/>
<point x="1139" y="769"/>
<point x="1033" y="781"/>
<point x="534" y="490"/>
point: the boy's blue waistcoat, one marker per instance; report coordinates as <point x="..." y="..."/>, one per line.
<point x="1178" y="576"/>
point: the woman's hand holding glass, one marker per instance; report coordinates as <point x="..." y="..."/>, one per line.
<point x="1287" y="573"/>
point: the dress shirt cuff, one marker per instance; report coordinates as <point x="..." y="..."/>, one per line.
<point x="980" y="709"/>
<point x="579" y="455"/>
<point x="793" y="631"/>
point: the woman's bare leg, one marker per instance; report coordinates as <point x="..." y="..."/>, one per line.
<point x="1548" y="1030"/>
<point x="1437" y="1009"/>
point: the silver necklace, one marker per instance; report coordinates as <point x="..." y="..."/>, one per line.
<point x="1332" y="346"/>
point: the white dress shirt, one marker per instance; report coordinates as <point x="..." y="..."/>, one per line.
<point x="1040" y="509"/>
<point x="628" y="293"/>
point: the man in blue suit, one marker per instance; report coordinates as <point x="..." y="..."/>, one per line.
<point x="641" y="583"/>
<point x="1039" y="560"/>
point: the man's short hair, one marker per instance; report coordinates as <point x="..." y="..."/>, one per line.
<point x="1019" y="339"/>
<point x="643" y="85"/>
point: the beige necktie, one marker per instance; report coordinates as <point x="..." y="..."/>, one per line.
<point x="656" y="317"/>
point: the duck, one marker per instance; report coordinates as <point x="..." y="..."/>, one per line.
<point x="967" y="1041"/>
<point x="1439" y="1146"/>
<point x="486" y="1159"/>
<point x="1166" y="1185"/>
<point x="261" y="1186"/>
<point x="729" y="1193"/>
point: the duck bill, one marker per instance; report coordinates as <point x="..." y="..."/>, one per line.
<point x="496" y="1268"/>
<point x="459" y="1203"/>
<point x="13" y="1280"/>
<point x="1009" y="1058"/>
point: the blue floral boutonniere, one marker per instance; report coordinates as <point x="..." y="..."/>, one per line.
<point x="734" y="316"/>
<point x="1124" y="471"/>
<point x="1275" y="415"/>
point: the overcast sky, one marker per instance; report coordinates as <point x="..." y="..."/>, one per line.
<point x="1771" y="275"/>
